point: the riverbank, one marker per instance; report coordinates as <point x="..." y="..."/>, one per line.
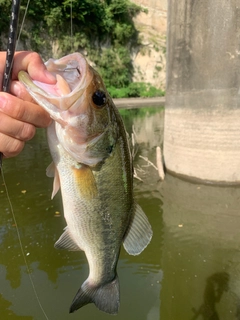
<point x="131" y="103"/>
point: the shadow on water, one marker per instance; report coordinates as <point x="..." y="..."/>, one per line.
<point x="216" y="284"/>
<point x="190" y="270"/>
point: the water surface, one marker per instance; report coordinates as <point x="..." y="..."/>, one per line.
<point x="190" y="270"/>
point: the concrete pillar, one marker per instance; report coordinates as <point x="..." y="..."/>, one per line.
<point x="202" y="118"/>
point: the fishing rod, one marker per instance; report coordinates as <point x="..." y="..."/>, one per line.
<point x="11" y="47"/>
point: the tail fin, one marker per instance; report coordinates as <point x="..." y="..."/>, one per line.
<point x="105" y="296"/>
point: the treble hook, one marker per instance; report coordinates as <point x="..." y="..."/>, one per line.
<point x="11" y="47"/>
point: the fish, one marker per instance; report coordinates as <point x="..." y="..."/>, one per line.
<point x="92" y="166"/>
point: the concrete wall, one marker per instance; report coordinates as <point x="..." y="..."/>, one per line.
<point x="202" y="117"/>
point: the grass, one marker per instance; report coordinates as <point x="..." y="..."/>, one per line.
<point x="136" y="89"/>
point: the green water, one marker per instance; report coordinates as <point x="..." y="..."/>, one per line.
<point x="191" y="269"/>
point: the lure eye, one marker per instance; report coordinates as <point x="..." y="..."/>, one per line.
<point x="99" y="98"/>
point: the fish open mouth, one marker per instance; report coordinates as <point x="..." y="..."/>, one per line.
<point x="69" y="72"/>
<point x="71" y="75"/>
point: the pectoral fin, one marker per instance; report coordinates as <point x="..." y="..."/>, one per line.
<point x="85" y="181"/>
<point x="66" y="242"/>
<point x="139" y="233"/>
<point x="52" y="172"/>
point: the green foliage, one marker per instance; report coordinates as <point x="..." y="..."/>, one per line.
<point x="118" y="93"/>
<point x="115" y="66"/>
<point x="5" y="7"/>
<point x="96" y="24"/>
<point x="136" y="89"/>
<point x="139" y="112"/>
<point x="99" y="19"/>
<point x="103" y="29"/>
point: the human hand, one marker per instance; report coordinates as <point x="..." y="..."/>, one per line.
<point x="19" y="114"/>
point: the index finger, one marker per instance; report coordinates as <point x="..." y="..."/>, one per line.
<point x="30" y="62"/>
<point x="33" y="64"/>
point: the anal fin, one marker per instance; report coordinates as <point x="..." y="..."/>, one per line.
<point x="66" y="242"/>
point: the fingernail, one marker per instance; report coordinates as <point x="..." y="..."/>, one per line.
<point x="17" y="88"/>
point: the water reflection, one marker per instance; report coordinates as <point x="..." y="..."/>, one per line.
<point x="8" y="314"/>
<point x="190" y="270"/>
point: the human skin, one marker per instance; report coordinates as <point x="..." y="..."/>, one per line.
<point x="19" y="114"/>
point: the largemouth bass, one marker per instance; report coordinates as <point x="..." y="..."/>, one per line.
<point x="92" y="166"/>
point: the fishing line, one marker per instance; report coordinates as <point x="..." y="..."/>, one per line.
<point x="71" y="26"/>
<point x="23" y="20"/>
<point x="12" y="44"/>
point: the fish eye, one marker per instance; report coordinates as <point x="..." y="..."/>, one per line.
<point x="99" y="98"/>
